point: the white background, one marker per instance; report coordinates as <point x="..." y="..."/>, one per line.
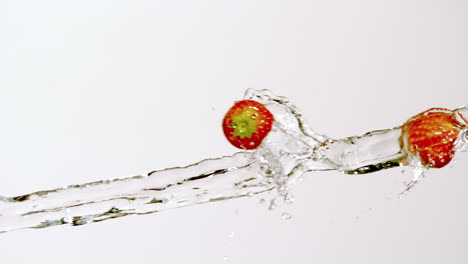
<point x="93" y="90"/>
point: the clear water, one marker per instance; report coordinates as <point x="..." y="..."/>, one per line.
<point x="289" y="151"/>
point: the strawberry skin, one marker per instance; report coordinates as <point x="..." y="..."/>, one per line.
<point x="431" y="135"/>
<point x="247" y="123"/>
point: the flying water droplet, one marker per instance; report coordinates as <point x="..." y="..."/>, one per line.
<point x="286" y="216"/>
<point x="273" y="204"/>
<point x="289" y="198"/>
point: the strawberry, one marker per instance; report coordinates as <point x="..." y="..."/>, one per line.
<point x="247" y="123"/>
<point x="431" y="135"/>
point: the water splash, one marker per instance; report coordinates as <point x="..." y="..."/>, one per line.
<point x="462" y="141"/>
<point x="289" y="151"/>
<point x="418" y="172"/>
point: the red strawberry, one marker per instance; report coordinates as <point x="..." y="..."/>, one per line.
<point x="247" y="123"/>
<point x="431" y="135"/>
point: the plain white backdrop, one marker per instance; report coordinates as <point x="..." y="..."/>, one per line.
<point x="93" y="90"/>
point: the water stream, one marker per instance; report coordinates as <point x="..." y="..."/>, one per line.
<point x="289" y="151"/>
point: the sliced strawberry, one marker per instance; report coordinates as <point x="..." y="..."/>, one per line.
<point x="247" y="123"/>
<point x="431" y="135"/>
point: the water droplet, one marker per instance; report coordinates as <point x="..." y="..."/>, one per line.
<point x="273" y="204"/>
<point x="289" y="198"/>
<point x="286" y="216"/>
<point x="261" y="201"/>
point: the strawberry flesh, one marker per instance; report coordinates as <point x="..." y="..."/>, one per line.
<point x="431" y="136"/>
